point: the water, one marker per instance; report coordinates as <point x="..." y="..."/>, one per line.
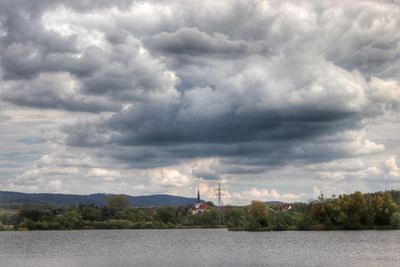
<point x="202" y="247"/>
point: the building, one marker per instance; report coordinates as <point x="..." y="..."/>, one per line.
<point x="284" y="207"/>
<point x="199" y="206"/>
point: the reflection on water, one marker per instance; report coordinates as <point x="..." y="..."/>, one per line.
<point x="202" y="247"/>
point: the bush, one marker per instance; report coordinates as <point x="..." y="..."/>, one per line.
<point x="306" y="223"/>
<point x="119" y="224"/>
<point x="236" y="218"/>
<point x="70" y="220"/>
<point x="31" y="213"/>
<point x="395" y="220"/>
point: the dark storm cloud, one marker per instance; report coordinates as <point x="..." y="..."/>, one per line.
<point x="25" y="61"/>
<point x="22" y="28"/>
<point x="36" y="8"/>
<point x="29" y="49"/>
<point x="160" y="136"/>
<point x="126" y="74"/>
<point x="193" y="42"/>
<point x="260" y="110"/>
<point x="54" y="93"/>
<point x="266" y="83"/>
<point x="26" y="42"/>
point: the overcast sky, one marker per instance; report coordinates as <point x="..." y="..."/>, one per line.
<point x="278" y="100"/>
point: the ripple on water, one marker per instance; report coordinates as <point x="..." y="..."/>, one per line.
<point x="199" y="247"/>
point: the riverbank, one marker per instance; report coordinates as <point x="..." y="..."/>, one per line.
<point x="316" y="228"/>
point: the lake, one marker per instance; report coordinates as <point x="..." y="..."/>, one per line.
<point x="199" y="247"/>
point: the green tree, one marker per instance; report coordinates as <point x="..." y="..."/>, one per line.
<point x="236" y="218"/>
<point x="208" y="218"/>
<point x="167" y="214"/>
<point x="31" y="213"/>
<point x="70" y="219"/>
<point x="259" y="212"/>
<point x="90" y="213"/>
<point x="210" y="204"/>
<point x="118" y="202"/>
<point x="384" y="208"/>
<point x="395" y="220"/>
<point x="135" y="214"/>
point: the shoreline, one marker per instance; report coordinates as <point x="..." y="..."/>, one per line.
<point x="212" y="228"/>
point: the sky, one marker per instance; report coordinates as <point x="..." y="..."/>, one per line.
<point x="275" y="99"/>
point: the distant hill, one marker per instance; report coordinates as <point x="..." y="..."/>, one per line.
<point x="15" y="199"/>
<point x="275" y="203"/>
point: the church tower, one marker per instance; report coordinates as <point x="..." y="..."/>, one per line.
<point x="199" y="206"/>
<point x="198" y="202"/>
<point x="198" y="195"/>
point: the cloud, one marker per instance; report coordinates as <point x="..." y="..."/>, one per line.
<point x="167" y="177"/>
<point x="193" y="42"/>
<point x="55" y="185"/>
<point x="108" y="175"/>
<point x="247" y="196"/>
<point x="243" y="109"/>
<point x="27" y="45"/>
<point x="207" y="169"/>
<point x="54" y="91"/>
<point x="392" y="168"/>
<point x="385" y="92"/>
<point x="163" y="95"/>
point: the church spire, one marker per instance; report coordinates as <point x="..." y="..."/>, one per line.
<point x="198" y="195"/>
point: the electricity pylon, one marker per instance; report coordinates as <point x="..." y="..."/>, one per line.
<point x="219" y="193"/>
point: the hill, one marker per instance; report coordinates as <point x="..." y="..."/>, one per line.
<point x="16" y="199"/>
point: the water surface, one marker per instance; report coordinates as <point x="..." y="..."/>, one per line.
<point x="200" y="247"/>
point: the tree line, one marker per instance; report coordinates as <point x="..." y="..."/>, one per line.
<point x="353" y="211"/>
<point x="348" y="212"/>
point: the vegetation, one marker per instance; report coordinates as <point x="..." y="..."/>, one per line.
<point x="95" y="217"/>
<point x="7" y="218"/>
<point x="350" y="212"/>
<point x="118" y="202"/>
<point x="355" y="211"/>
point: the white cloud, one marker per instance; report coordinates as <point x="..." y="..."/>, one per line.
<point x="55" y="185"/>
<point x="392" y="168"/>
<point x="168" y="177"/>
<point x="246" y="196"/>
<point x="108" y="175"/>
<point x="166" y="97"/>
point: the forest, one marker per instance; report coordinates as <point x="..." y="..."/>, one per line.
<point x="356" y="211"/>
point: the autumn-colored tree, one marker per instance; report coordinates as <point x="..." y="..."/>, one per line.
<point x="385" y="207"/>
<point x="358" y="206"/>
